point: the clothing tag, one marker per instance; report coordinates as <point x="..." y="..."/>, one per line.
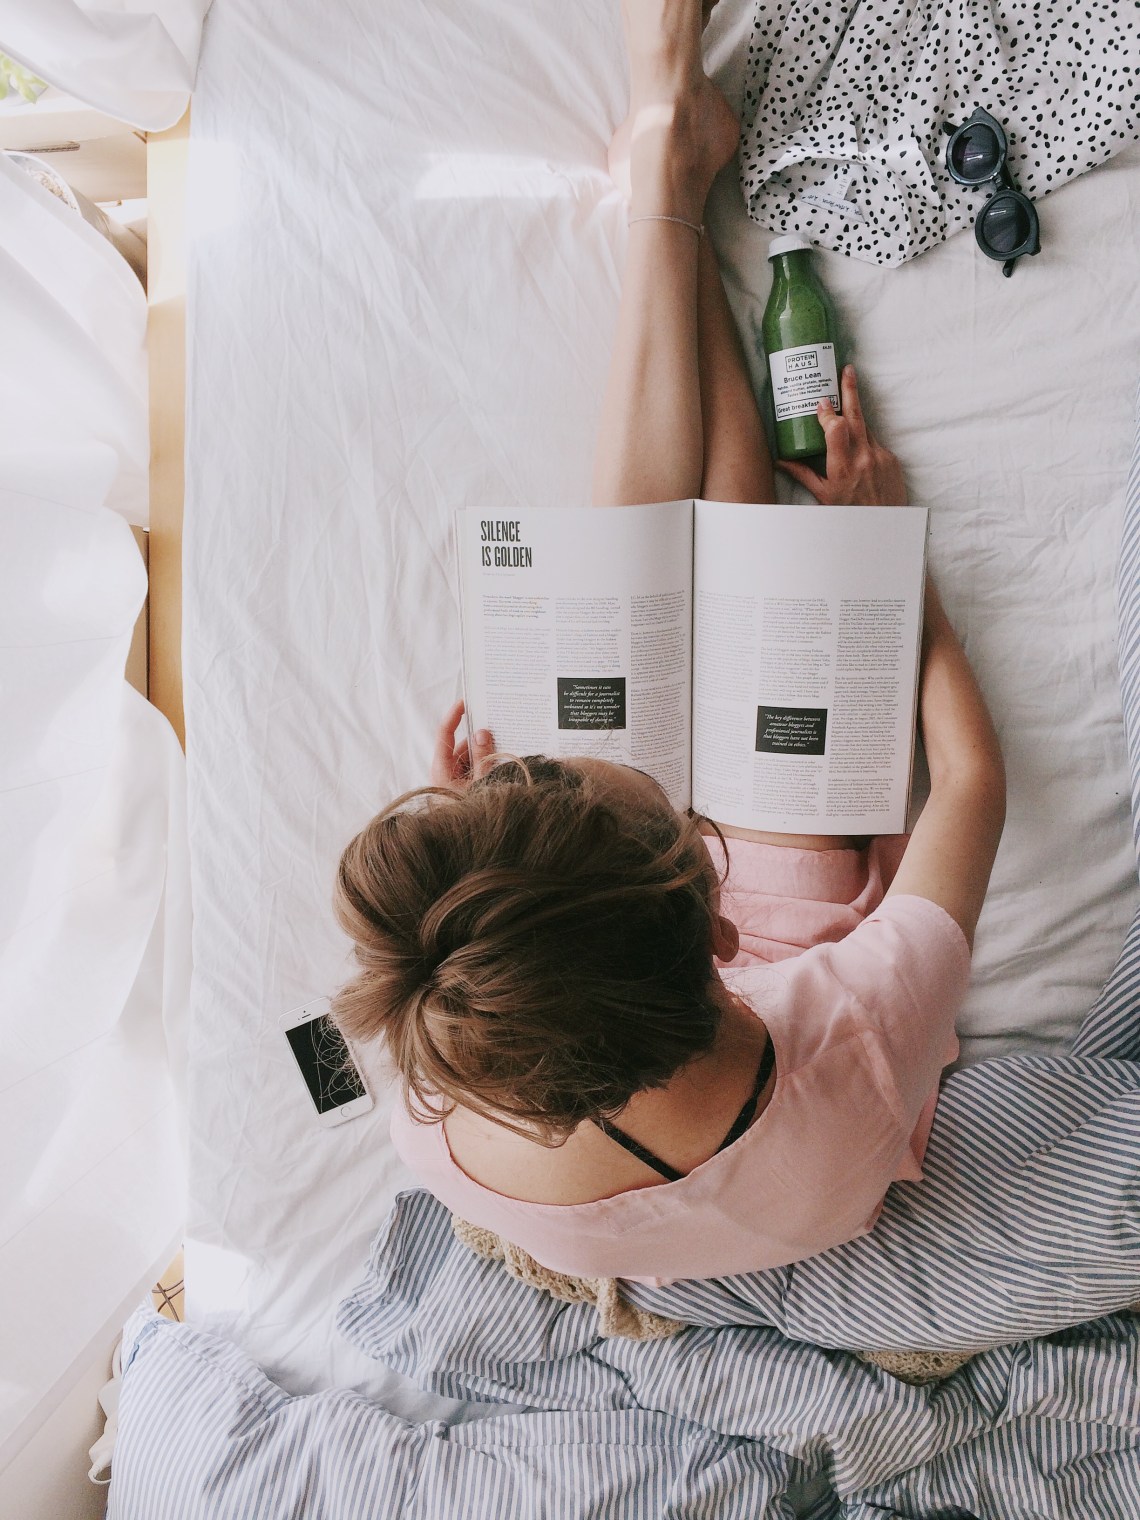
<point x="832" y="195"/>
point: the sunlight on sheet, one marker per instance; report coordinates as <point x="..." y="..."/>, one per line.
<point x="493" y="176"/>
<point x="219" y="1275"/>
<point x="213" y="187"/>
<point x="12" y="1396"/>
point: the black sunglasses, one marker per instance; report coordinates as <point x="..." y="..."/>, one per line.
<point x="1006" y="227"/>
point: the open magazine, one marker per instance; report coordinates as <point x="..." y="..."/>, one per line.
<point x="760" y="662"/>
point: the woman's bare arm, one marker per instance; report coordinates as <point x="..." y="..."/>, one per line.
<point x="951" y="852"/>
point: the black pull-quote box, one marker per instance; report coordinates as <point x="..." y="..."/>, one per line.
<point x="591" y="701"/>
<point x="791" y="730"/>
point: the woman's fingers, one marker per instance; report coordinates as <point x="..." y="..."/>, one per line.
<point x="444" y="747"/>
<point x="849" y="395"/>
<point x="445" y="733"/>
<point x="455" y="764"/>
<point x="806" y="476"/>
<point x="836" y="428"/>
<point x="838" y="439"/>
<point x="482" y="748"/>
<point x="444" y="754"/>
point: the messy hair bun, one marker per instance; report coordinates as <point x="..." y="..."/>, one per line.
<point x="536" y="948"/>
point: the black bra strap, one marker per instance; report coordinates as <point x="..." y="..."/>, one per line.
<point x="743" y="1120"/>
<point x="607" y="1127"/>
<point x="748" y="1112"/>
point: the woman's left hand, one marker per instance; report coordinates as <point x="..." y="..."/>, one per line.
<point x="455" y="765"/>
<point x="860" y="471"/>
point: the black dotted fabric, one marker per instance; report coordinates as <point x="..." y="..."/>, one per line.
<point x="845" y="100"/>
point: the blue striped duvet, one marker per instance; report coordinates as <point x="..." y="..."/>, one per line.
<point x="1049" y="1427"/>
<point x="722" y="1423"/>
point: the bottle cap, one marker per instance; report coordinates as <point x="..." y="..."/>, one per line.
<point x="791" y="243"/>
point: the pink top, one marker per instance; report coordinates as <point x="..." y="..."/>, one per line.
<point x="862" y="1027"/>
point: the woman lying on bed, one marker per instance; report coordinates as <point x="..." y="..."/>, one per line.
<point x="631" y="1069"/>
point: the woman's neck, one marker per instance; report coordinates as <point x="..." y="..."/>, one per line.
<point x="709" y="1082"/>
<point x="684" y="1123"/>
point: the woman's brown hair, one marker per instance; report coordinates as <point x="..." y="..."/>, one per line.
<point x="537" y="948"/>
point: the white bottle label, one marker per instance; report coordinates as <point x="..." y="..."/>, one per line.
<point x="802" y="377"/>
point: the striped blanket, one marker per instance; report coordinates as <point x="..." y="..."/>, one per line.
<point x="734" y="1423"/>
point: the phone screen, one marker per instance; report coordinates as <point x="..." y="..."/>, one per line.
<point x="325" y="1063"/>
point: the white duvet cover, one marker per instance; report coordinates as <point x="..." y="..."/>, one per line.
<point x="406" y="258"/>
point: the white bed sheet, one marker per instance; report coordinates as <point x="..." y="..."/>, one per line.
<point x="405" y="266"/>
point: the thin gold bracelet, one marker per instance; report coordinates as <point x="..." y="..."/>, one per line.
<point x="697" y="227"/>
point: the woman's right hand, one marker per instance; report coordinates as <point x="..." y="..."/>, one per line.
<point x="455" y="765"/>
<point x="860" y="471"/>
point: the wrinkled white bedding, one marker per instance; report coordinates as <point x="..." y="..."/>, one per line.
<point x="405" y="267"/>
<point x="94" y="906"/>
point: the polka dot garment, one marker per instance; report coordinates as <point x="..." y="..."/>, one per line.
<point x="845" y="102"/>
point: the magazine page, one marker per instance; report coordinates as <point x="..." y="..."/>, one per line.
<point x="577" y="633"/>
<point x="807" y="636"/>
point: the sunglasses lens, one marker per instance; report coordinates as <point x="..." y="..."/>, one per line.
<point x="1005" y="224"/>
<point x="974" y="154"/>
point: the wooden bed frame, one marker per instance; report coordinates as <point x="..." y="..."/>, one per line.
<point x="166" y="160"/>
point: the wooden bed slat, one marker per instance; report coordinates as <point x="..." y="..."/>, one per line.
<point x="166" y="156"/>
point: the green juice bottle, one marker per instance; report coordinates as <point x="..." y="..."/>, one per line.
<point x="799" y="339"/>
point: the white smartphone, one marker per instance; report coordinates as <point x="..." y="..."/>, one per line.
<point x="333" y="1080"/>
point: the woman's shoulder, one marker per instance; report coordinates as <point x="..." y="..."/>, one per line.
<point x="901" y="973"/>
<point x="468" y="1154"/>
